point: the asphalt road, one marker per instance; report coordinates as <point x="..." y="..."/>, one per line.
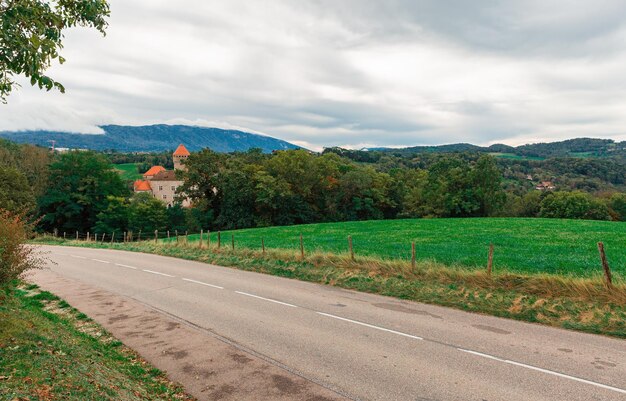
<point x="365" y="346"/>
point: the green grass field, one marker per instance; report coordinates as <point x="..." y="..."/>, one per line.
<point x="566" y="247"/>
<point x="128" y="171"/>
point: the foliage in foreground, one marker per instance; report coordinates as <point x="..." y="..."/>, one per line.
<point x="16" y="256"/>
<point x="31" y="35"/>
<point x="574" y="303"/>
<point x="49" y="351"/>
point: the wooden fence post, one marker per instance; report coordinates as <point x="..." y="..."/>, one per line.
<point x="350" y="247"/>
<point x="490" y="260"/>
<point x="608" y="278"/>
<point x="301" y="247"/>
<point x="233" y="241"/>
<point x="55" y="232"/>
<point x="186" y="237"/>
<point x="208" y="239"/>
<point x="413" y="255"/>
<point x="219" y="239"/>
<point x="103" y="236"/>
<point x="168" y="236"/>
<point x="95" y="237"/>
<point x="177" y="240"/>
<point x="263" y="245"/>
<point x="87" y="236"/>
<point x="200" y="243"/>
<point x="112" y="236"/>
<point x="63" y="234"/>
<point x="156" y="236"/>
<point x="139" y="236"/>
<point x="76" y="235"/>
<point x="124" y="237"/>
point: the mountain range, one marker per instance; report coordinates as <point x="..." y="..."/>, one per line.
<point x="152" y="138"/>
<point x="162" y="137"/>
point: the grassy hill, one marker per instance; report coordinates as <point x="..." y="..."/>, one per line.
<point x="566" y="247"/>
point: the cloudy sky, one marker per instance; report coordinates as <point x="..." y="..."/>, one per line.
<point x="346" y="72"/>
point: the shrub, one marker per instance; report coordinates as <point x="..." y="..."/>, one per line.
<point x="617" y="204"/>
<point x="573" y="205"/>
<point x="16" y="257"/>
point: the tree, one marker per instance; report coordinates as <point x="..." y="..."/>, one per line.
<point x="146" y="214"/>
<point x="573" y="205"/>
<point x="113" y="219"/>
<point x="16" y="194"/>
<point x="617" y="204"/>
<point x="448" y="190"/>
<point x="203" y="178"/>
<point x="487" y="179"/>
<point x="31" y="35"/>
<point x="79" y="189"/>
<point x="176" y="218"/>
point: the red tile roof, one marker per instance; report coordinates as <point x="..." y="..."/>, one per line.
<point x="153" y="170"/>
<point x="181" y="150"/>
<point x="141" y="186"/>
<point x="165" y="175"/>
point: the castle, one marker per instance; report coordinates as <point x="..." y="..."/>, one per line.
<point x="162" y="183"/>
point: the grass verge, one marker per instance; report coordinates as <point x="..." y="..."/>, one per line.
<point x="573" y="303"/>
<point x="50" y="351"/>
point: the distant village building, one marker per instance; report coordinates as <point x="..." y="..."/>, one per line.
<point x="161" y="183"/>
<point x="545" y="186"/>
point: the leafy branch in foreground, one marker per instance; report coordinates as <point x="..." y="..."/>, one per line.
<point x="31" y="35"/>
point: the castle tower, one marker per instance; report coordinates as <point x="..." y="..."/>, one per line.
<point x="180" y="156"/>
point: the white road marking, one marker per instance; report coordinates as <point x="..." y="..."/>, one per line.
<point x="78" y="257"/>
<point x="547" y="371"/>
<point x="370" y="326"/>
<point x="101" y="261"/>
<point x="200" y="282"/>
<point x="265" y="299"/>
<point x="159" y="273"/>
<point x="130" y="267"/>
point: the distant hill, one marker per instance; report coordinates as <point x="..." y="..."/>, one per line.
<point x="152" y="138"/>
<point x="579" y="147"/>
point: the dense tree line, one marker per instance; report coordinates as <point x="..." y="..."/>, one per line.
<point x="80" y="191"/>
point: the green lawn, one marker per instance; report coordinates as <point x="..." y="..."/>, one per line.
<point x="566" y="247"/>
<point x="128" y="171"/>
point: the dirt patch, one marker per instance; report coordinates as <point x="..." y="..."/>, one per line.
<point x="285" y="385"/>
<point x="240" y="358"/>
<point x="222" y="392"/>
<point x="118" y="318"/>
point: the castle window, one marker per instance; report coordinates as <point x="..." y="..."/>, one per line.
<point x="164" y="196"/>
<point x="173" y="188"/>
<point x="160" y="187"/>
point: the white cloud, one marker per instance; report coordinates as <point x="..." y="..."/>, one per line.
<point x="353" y="73"/>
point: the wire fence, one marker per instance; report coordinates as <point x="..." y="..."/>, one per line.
<point x="202" y="239"/>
